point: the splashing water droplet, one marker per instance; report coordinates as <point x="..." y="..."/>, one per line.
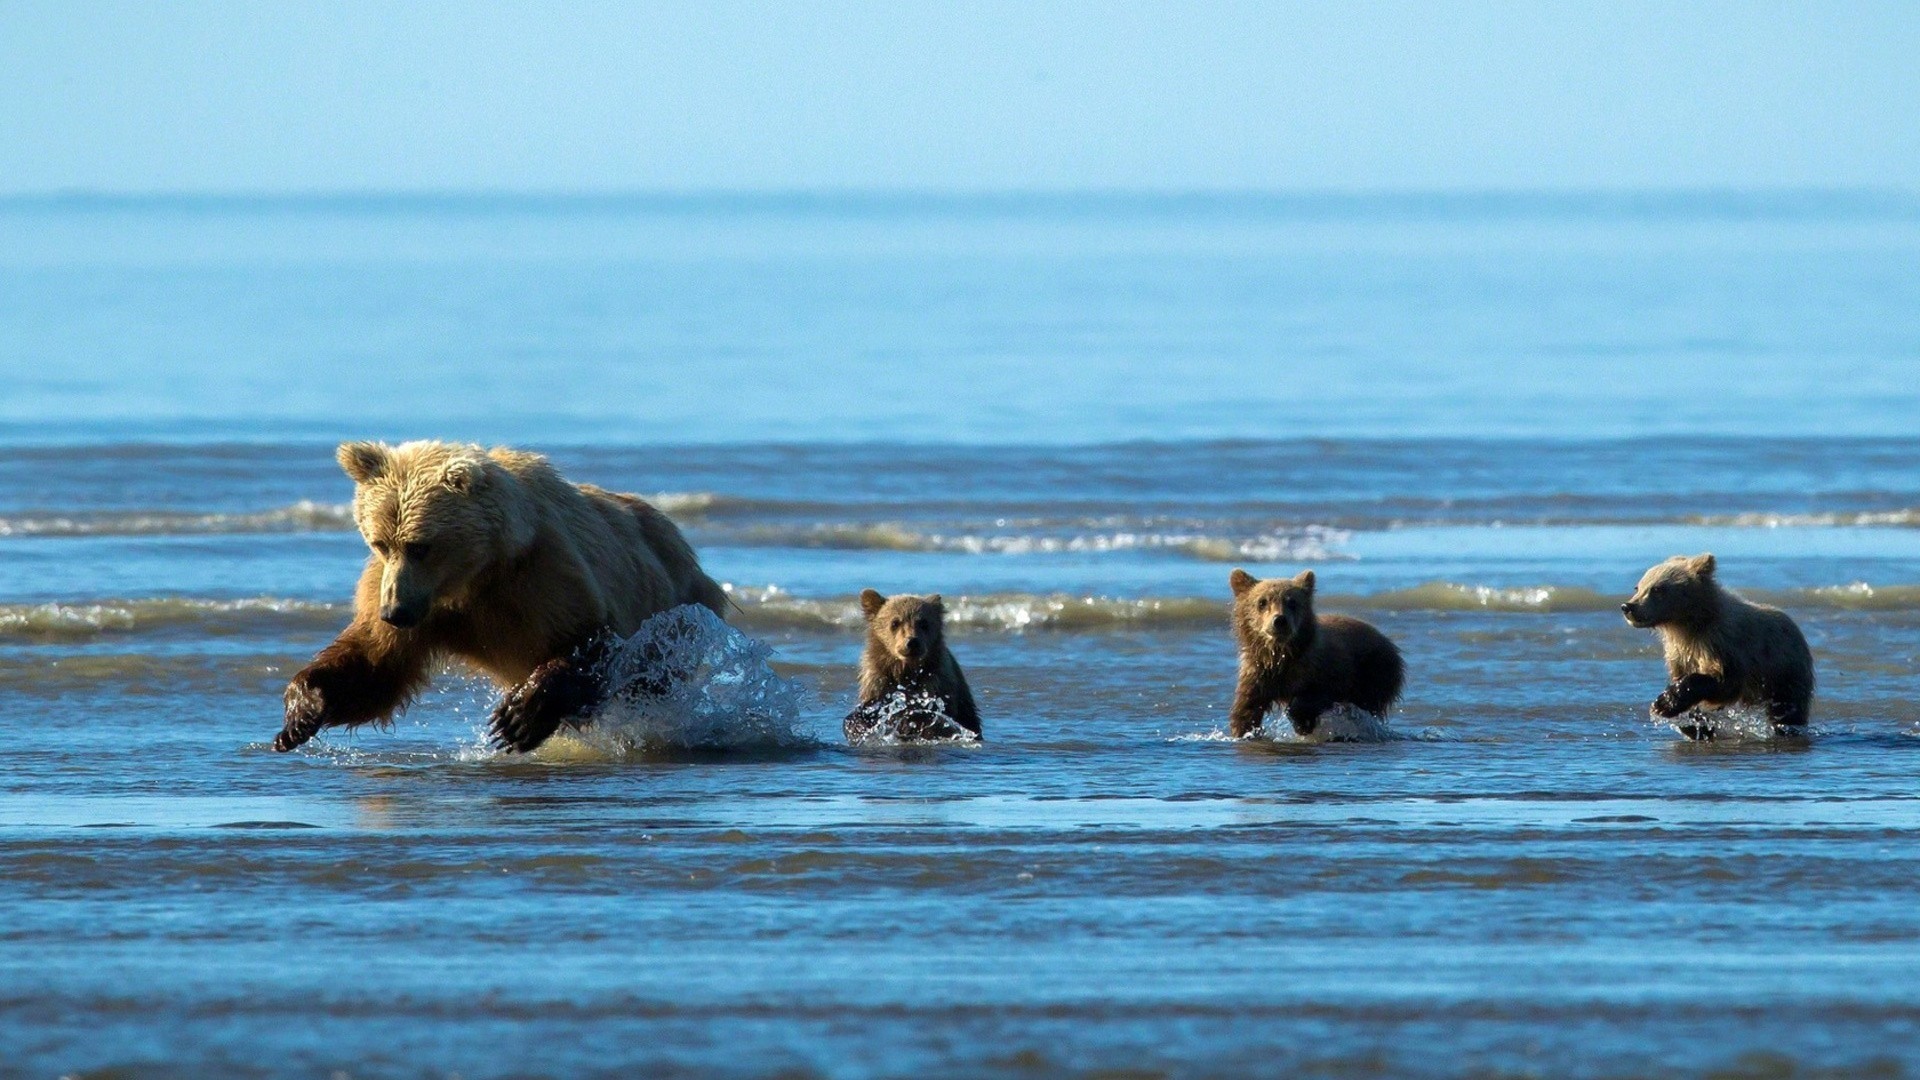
<point x="688" y="681"/>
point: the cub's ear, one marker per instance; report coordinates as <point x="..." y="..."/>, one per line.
<point x="936" y="602"/>
<point x="464" y="476"/>
<point x="1702" y="564"/>
<point x="1241" y="581"/>
<point x="363" y="461"/>
<point x="1304" y="579"/>
<point x="871" y="602"/>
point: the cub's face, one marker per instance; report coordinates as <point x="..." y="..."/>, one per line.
<point x="1671" y="591"/>
<point x="417" y="508"/>
<point x="1274" y="609"/>
<point x="907" y="627"/>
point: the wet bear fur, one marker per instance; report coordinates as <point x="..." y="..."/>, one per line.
<point x="1304" y="662"/>
<point x="1721" y="649"/>
<point x="907" y="652"/>
<point x="492" y="558"/>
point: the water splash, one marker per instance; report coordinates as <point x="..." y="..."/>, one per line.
<point x="688" y="681"/>
<point x="905" y="717"/>
<point x="1341" y="723"/>
<point x="1734" y="724"/>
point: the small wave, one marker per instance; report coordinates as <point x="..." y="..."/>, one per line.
<point x="303" y="516"/>
<point x="772" y="606"/>
<point x="1853" y="596"/>
<point x="1855" y="519"/>
<point x="687" y="681"/>
<point x="81" y="621"/>
<point x="1449" y="596"/>
<point x="1313" y="543"/>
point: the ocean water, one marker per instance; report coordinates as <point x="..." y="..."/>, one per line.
<point x="1478" y="420"/>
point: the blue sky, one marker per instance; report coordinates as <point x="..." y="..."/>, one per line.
<point x="285" y="96"/>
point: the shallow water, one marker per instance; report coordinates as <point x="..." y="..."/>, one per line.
<point x="1525" y="876"/>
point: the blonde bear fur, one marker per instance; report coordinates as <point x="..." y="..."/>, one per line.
<point x="493" y="558"/>
<point x="1721" y="650"/>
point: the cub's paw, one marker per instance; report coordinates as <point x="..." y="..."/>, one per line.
<point x="1668" y="704"/>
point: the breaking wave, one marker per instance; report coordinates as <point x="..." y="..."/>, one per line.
<point x="1843" y="519"/>
<point x="1312" y="543"/>
<point x="771" y="607"/>
<point x="303" y="516"/>
<point x="81" y="621"/>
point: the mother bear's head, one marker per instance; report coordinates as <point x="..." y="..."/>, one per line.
<point x="437" y="515"/>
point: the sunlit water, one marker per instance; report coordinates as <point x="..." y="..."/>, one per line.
<point x="1519" y="872"/>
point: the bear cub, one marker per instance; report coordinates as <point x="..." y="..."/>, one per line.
<point x="1721" y="650"/>
<point x="907" y="653"/>
<point x="1308" y="663"/>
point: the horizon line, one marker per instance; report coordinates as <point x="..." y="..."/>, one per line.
<point x="1669" y="201"/>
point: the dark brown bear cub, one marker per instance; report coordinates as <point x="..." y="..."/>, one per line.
<point x="1305" y="662"/>
<point x="907" y="655"/>
<point x="1721" y="650"/>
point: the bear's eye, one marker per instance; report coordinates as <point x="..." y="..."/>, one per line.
<point x="416" y="552"/>
<point x="381" y="549"/>
<point x="1263" y="604"/>
<point x="897" y="624"/>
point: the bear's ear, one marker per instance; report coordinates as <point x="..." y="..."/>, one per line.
<point x="871" y="602"/>
<point x="1702" y="564"/>
<point x="463" y="476"/>
<point x="363" y="461"/>
<point x="937" y="603"/>
<point x="1304" y="579"/>
<point x="1241" y="581"/>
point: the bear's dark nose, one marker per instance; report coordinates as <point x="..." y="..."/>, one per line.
<point x="1626" y="609"/>
<point x="914" y="648"/>
<point x="398" y="617"/>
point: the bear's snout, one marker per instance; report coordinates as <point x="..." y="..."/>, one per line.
<point x="398" y="617"/>
<point x="914" y="648"/>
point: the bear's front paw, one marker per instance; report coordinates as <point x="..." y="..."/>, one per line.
<point x="522" y="721"/>
<point x="1668" y="704"/>
<point x="306" y="713"/>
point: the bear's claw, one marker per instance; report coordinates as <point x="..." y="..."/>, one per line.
<point x="305" y="708"/>
<point x="519" y="723"/>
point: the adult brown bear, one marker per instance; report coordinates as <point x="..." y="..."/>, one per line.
<point x="492" y="557"/>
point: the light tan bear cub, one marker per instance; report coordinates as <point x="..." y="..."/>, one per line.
<point x="1306" y="663"/>
<point x="907" y="652"/>
<point x="1721" y="650"/>
<point x="491" y="557"/>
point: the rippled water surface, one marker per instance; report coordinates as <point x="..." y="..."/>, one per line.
<point x="1519" y="875"/>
